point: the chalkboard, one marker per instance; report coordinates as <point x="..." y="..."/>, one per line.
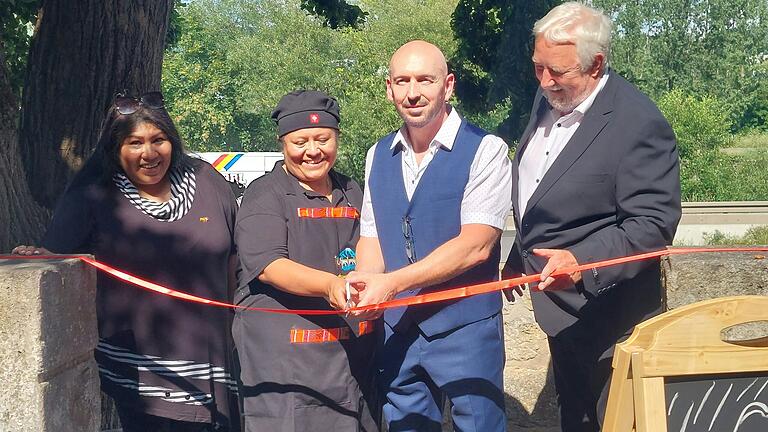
<point x="728" y="402"/>
<point x="675" y="373"/>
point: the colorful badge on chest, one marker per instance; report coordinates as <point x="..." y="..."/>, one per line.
<point x="345" y="261"/>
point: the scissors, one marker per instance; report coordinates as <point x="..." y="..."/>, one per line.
<point x="349" y="296"/>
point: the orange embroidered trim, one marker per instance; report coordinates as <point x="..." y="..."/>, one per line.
<point x="365" y="327"/>
<point x="329" y="212"/>
<point x="329" y="335"/>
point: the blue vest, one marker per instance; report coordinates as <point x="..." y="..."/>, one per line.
<point x="434" y="213"/>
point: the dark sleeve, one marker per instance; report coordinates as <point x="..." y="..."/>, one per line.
<point x="231" y="212"/>
<point x="514" y="261"/>
<point x="261" y="232"/>
<point x="647" y="205"/>
<point x="72" y="228"/>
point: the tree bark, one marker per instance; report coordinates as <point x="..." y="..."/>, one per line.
<point x="82" y="53"/>
<point x="21" y="219"/>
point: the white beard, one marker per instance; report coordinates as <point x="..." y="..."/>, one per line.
<point x="569" y="104"/>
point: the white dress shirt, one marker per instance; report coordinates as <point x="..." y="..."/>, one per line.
<point x="552" y="134"/>
<point x="487" y="195"/>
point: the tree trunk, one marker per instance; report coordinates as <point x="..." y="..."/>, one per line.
<point x="21" y="220"/>
<point x="82" y="53"/>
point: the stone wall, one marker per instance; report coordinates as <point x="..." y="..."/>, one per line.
<point x="695" y="277"/>
<point x="48" y="377"/>
<point x="50" y="381"/>
<point x="531" y="405"/>
<point x="528" y="387"/>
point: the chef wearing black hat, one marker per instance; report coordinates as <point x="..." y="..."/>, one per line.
<point x="295" y="234"/>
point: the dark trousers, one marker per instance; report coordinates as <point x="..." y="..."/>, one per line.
<point x="137" y="421"/>
<point x="582" y="369"/>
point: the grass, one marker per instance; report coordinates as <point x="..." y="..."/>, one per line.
<point x="726" y="177"/>
<point x="742" y="171"/>
<point x="757" y="235"/>
<point x="751" y="140"/>
<point x="751" y="143"/>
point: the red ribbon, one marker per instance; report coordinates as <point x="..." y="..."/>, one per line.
<point x="449" y="294"/>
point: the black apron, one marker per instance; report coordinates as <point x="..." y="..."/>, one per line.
<point x="308" y="373"/>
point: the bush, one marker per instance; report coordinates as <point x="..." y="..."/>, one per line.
<point x="700" y="124"/>
<point x="702" y="127"/>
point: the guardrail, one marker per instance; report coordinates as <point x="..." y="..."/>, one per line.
<point x="699" y="219"/>
<point x="727" y="212"/>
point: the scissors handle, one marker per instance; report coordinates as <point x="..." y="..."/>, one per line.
<point x="349" y="295"/>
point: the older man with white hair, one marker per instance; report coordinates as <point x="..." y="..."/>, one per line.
<point x="596" y="176"/>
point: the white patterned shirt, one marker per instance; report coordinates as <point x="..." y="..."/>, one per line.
<point x="487" y="195"/>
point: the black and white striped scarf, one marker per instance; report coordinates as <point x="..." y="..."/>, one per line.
<point x="182" y="195"/>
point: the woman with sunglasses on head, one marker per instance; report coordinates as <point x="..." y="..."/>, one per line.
<point x="142" y="206"/>
<point x="296" y="230"/>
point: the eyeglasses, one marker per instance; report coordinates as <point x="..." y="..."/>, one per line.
<point x="128" y="104"/>
<point x="556" y="73"/>
<point x="410" y="252"/>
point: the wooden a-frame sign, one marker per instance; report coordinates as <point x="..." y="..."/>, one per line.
<point x="675" y="373"/>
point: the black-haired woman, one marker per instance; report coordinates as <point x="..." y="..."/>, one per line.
<point x="295" y="233"/>
<point x="143" y="206"/>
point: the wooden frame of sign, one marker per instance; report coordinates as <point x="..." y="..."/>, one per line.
<point x="685" y="344"/>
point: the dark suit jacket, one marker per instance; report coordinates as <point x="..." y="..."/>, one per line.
<point x="613" y="191"/>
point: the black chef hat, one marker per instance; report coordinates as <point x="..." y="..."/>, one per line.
<point x="302" y="109"/>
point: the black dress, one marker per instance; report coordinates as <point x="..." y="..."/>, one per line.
<point x="158" y="355"/>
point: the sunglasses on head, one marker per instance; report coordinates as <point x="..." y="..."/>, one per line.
<point x="128" y="104"/>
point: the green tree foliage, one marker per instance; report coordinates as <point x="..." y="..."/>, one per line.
<point x="200" y="84"/>
<point x="236" y="58"/>
<point x="755" y="116"/>
<point x="16" y="20"/>
<point x="337" y="13"/>
<point x="702" y="126"/>
<point x="706" y="47"/>
<point x="493" y="61"/>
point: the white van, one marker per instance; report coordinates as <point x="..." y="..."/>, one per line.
<point x="240" y="168"/>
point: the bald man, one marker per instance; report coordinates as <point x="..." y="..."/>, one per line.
<point x="437" y="193"/>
